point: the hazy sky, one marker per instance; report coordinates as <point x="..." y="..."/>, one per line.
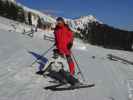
<point x="118" y="13"/>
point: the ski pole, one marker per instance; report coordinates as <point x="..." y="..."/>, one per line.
<point x="80" y="72"/>
<point x="43" y="54"/>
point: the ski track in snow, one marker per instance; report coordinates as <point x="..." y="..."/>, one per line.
<point x="18" y="80"/>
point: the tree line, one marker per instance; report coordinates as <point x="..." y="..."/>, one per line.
<point x="12" y="11"/>
<point x="107" y="36"/>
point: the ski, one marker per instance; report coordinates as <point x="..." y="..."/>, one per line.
<point x="66" y="88"/>
<point x="53" y="86"/>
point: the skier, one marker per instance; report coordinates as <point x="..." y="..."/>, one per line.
<point x="54" y="68"/>
<point x="64" y="42"/>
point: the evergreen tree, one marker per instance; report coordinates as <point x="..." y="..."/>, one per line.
<point x="107" y="36"/>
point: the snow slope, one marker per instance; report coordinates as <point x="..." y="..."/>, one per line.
<point x="13" y="26"/>
<point x="18" y="80"/>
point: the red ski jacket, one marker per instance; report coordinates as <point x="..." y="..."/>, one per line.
<point x="63" y="37"/>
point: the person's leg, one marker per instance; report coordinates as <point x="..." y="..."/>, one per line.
<point x="68" y="77"/>
<point x="71" y="64"/>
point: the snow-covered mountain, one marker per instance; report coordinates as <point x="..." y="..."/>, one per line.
<point x="45" y="17"/>
<point x="82" y="21"/>
<point x="32" y="14"/>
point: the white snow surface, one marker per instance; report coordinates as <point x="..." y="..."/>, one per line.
<point x="18" y="81"/>
<point x="13" y="26"/>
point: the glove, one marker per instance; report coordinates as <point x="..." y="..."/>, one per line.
<point x="69" y="46"/>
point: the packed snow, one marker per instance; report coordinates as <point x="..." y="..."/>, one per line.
<point x="19" y="81"/>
